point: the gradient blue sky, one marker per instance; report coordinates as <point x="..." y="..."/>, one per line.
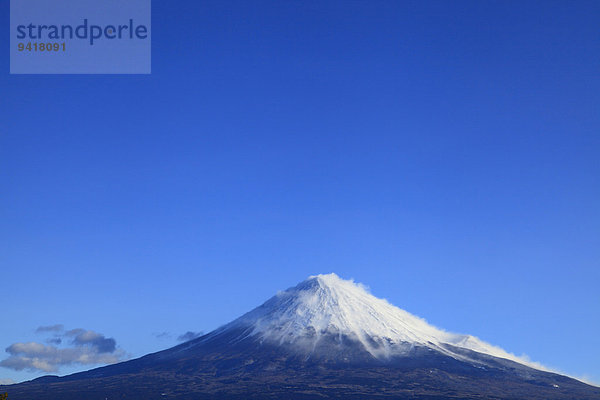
<point x="446" y="154"/>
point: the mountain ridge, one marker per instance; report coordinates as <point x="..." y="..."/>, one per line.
<point x="326" y="302"/>
<point x="323" y="338"/>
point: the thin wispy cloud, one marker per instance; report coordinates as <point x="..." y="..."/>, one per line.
<point x="162" y="335"/>
<point x="50" y="328"/>
<point x="189" y="335"/>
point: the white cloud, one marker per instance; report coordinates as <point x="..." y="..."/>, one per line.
<point x="87" y="348"/>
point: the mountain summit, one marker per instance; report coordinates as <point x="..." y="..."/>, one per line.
<point x="324" y="338"/>
<point x="328" y="308"/>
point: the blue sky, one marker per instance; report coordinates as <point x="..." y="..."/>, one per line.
<point x="446" y="154"/>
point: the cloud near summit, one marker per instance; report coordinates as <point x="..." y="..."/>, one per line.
<point x="83" y="347"/>
<point x="189" y="335"/>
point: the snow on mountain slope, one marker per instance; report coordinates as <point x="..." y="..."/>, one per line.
<point x="328" y="305"/>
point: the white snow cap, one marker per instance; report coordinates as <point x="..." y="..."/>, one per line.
<point x="327" y="304"/>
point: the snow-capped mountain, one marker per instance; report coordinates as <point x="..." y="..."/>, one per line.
<point x="326" y="305"/>
<point x="324" y="338"/>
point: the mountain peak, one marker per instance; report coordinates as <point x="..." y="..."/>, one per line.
<point x="328" y="309"/>
<point x="329" y="288"/>
<point x="328" y="280"/>
<point x="324" y="338"/>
